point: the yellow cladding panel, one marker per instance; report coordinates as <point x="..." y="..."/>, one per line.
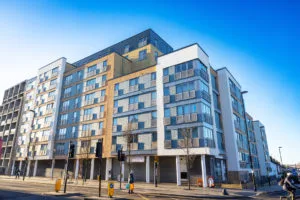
<point x="110" y="105"/>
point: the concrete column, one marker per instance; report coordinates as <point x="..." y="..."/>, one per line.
<point x="35" y="168"/>
<point x="178" y="170"/>
<point x="147" y="169"/>
<point x="13" y="168"/>
<point x="77" y="169"/>
<point x="123" y="171"/>
<point x="52" y="168"/>
<point x="223" y="170"/>
<point x="108" y="169"/>
<point x="20" y="165"/>
<point x="28" y="168"/>
<point x="203" y="168"/>
<point x="92" y="169"/>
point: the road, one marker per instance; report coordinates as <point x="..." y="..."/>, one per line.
<point x="276" y="195"/>
<point x="19" y="190"/>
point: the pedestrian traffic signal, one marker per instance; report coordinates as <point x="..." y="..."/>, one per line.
<point x="72" y="151"/>
<point x="99" y="149"/>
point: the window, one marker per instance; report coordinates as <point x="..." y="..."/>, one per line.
<point x="68" y="79"/>
<point x="186" y="109"/>
<point x="92" y="68"/>
<point x="184" y="87"/>
<point x="79" y="75"/>
<point x="104" y="63"/>
<point x="214" y="82"/>
<point x="53" y="82"/>
<point x="116" y="104"/>
<point x="167" y="112"/>
<point x="86" y="127"/>
<point x="75" y="116"/>
<point x="153" y="76"/>
<point x="142" y="55"/>
<point x="115" y="121"/>
<point x="166" y="71"/>
<point x="103" y="93"/>
<point x="88" y="111"/>
<point x="142" y="42"/>
<point x="155" y="43"/>
<point x="133" y="118"/>
<point x="153" y="115"/>
<point x="48" y="119"/>
<point x="49" y="106"/>
<point x="89" y="96"/>
<point x="126" y="48"/>
<point x="67" y="91"/>
<point x="133" y="81"/>
<point x="205" y="109"/>
<point x="91" y="82"/>
<point x="155" y="55"/>
<point x="153" y="95"/>
<point x="54" y="70"/>
<point x="100" y="125"/>
<point x="203" y="87"/>
<point x="102" y="108"/>
<point x="218" y="120"/>
<point x="133" y="100"/>
<point x="116" y="86"/>
<point x="103" y="78"/>
<point x="51" y="94"/>
<point x="64" y="117"/>
<point x="166" y="91"/>
<point x="200" y="66"/>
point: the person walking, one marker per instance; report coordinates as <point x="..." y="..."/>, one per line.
<point x="131" y="182"/>
<point x="17" y="173"/>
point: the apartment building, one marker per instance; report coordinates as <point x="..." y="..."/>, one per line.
<point x="235" y="128"/>
<point x="253" y="146"/>
<point x="142" y="97"/>
<point x="10" y="114"/>
<point x="262" y="149"/>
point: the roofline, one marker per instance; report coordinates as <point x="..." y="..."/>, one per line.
<point x="149" y="29"/>
<point x="184" y="48"/>
<point x="225" y="68"/>
<point x="52" y="62"/>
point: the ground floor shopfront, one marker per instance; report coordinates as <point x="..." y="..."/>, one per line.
<point x="169" y="169"/>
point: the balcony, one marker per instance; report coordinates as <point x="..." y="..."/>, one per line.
<point x="134" y="88"/>
<point x="167" y="99"/>
<point x="102" y="98"/>
<point x="15" y="119"/>
<point x="153" y="122"/>
<point x="166" y="79"/>
<point x="153" y="102"/>
<point x="204" y="117"/>
<point x="88" y="133"/>
<point x="91" y="73"/>
<point x="8" y="121"/>
<point x="91" y="87"/>
<point x="133" y="106"/>
<point x="205" y="95"/>
<point x="204" y="75"/>
<point x="54" y="74"/>
<point x="44" y="138"/>
<point x="235" y="107"/>
<point x="153" y="83"/>
<point x="51" y="98"/>
<point x="9" y="143"/>
<point x="7" y="155"/>
<point x="47" y="124"/>
<point x="167" y="121"/>
<point x="49" y="111"/>
<point x="43" y="152"/>
<point x="52" y="86"/>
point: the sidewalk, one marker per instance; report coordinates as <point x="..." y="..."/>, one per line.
<point x="146" y="188"/>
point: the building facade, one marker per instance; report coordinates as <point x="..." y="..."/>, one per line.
<point x="156" y="104"/>
<point x="10" y="115"/>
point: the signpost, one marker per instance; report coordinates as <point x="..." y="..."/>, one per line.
<point x="155" y="170"/>
<point x="99" y="155"/>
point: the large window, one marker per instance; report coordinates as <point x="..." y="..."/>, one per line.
<point x="183" y="66"/>
<point x="142" y="42"/>
<point x="186" y="109"/>
<point x="133" y="99"/>
<point x="184" y="87"/>
<point x="88" y="111"/>
<point x="126" y="48"/>
<point x="218" y="120"/>
<point x="133" y="81"/>
<point x="91" y="82"/>
<point x="143" y="54"/>
<point x="89" y="96"/>
<point x="92" y="68"/>
<point x="205" y="109"/>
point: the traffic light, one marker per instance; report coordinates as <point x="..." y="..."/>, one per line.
<point x="99" y="149"/>
<point x="121" y="155"/>
<point x="72" y="150"/>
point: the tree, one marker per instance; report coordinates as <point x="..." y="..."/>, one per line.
<point x="128" y="137"/>
<point x="187" y="136"/>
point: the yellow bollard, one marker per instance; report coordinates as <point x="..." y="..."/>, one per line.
<point x="57" y="185"/>
<point x="110" y="189"/>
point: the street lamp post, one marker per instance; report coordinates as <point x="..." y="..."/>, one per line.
<point x="249" y="149"/>
<point x="28" y="147"/>
<point x="279" y="148"/>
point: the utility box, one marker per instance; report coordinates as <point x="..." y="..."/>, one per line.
<point x="110" y="189"/>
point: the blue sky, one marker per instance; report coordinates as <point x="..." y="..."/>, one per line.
<point x="257" y="40"/>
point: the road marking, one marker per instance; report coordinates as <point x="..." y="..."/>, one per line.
<point x="143" y="197"/>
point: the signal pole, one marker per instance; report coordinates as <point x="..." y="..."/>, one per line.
<point x="99" y="155"/>
<point x="70" y="154"/>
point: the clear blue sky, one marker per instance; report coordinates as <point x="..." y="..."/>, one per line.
<point x="257" y="40"/>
